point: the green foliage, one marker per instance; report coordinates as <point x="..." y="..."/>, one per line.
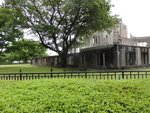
<point x="9" y="29"/>
<point x="2" y="59"/>
<point x="9" y="25"/>
<point x="75" y="96"/>
<point x="60" y="24"/>
<point x="24" y="50"/>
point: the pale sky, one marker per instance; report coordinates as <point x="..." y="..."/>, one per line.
<point x="135" y="14"/>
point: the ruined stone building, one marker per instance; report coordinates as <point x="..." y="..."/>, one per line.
<point x="108" y="50"/>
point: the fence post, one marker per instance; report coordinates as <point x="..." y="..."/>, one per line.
<point x="85" y="74"/>
<point x="51" y="72"/>
<point x="107" y="75"/>
<point x="130" y="75"/>
<point x="138" y="74"/>
<point x="100" y="75"/>
<point x="32" y="76"/>
<point x="122" y="74"/>
<point x="20" y="74"/>
<point x="146" y="74"/>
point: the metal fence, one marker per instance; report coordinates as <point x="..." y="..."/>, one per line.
<point x="104" y="75"/>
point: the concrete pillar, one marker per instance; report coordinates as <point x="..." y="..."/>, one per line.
<point x="138" y="61"/>
<point x="104" y="60"/>
<point x="118" y="57"/>
<point x="123" y="57"/>
<point x="97" y="59"/>
<point x="149" y="56"/>
<point x="146" y="58"/>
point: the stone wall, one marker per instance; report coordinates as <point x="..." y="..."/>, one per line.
<point x="73" y="60"/>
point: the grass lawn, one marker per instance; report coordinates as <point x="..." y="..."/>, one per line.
<point x="75" y="96"/>
<point x="26" y="68"/>
<point x="33" y="68"/>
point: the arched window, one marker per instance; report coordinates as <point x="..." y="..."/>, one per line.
<point x="94" y="40"/>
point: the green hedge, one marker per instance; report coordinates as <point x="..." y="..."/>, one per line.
<point x="75" y="96"/>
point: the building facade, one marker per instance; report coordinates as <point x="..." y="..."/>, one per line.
<point x="111" y="49"/>
<point x="115" y="56"/>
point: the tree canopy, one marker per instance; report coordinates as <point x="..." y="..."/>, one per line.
<point x="60" y="24"/>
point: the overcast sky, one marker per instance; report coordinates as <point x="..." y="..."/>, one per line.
<point x="135" y="14"/>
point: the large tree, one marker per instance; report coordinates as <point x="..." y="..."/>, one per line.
<point x="59" y="24"/>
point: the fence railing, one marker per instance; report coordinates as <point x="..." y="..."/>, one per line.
<point x="109" y="75"/>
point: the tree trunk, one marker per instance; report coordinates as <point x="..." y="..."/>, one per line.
<point x="63" y="58"/>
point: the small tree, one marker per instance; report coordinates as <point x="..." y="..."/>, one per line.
<point x="59" y="24"/>
<point x="25" y="49"/>
<point x="9" y="28"/>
